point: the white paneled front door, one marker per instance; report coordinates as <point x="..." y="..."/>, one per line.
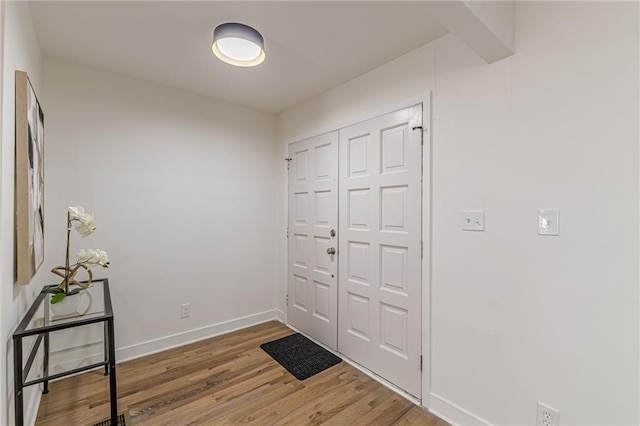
<point x="313" y="219"/>
<point x="379" y="315"/>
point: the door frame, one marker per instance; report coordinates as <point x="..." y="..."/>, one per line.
<point x="427" y="223"/>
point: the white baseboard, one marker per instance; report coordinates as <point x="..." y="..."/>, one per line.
<point x="381" y="380"/>
<point x="191" y="336"/>
<point x="363" y="369"/>
<point x="280" y="315"/>
<point x="84" y="355"/>
<point x="453" y="413"/>
<point x="76" y="357"/>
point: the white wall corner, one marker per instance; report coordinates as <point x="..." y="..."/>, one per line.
<point x="487" y="27"/>
<point x="453" y="413"/>
<point x="191" y="336"/>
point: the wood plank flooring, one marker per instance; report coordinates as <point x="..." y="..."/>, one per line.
<point x="228" y="380"/>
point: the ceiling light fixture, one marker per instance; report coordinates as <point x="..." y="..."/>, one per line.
<point x="238" y="44"/>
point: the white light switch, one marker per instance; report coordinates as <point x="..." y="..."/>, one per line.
<point x="473" y="220"/>
<point x="548" y="222"/>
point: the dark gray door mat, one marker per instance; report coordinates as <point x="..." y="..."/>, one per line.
<point x="300" y="356"/>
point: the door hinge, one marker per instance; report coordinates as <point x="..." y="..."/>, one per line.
<point x="287" y="232"/>
<point x="420" y="362"/>
<point x="287" y="298"/>
<point x="288" y="160"/>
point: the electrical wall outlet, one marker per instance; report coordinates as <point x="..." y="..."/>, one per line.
<point x="185" y="310"/>
<point x="473" y="220"/>
<point x="548" y="222"/>
<point x="547" y="416"/>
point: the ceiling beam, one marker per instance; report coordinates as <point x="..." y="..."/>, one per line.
<point x="487" y="27"/>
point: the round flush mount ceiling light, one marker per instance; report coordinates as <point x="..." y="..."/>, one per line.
<point x="238" y="44"/>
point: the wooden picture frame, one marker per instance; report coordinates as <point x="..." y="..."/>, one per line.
<point x="29" y="180"/>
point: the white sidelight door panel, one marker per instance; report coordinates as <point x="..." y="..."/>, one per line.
<point x="312" y="304"/>
<point x="380" y="197"/>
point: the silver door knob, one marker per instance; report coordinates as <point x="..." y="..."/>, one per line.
<point x="331" y="250"/>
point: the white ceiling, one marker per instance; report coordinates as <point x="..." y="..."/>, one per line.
<point x="311" y="46"/>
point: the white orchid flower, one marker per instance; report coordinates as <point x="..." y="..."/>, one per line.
<point x="94" y="257"/>
<point x="86" y="225"/>
<point x="76" y="212"/>
<point x="102" y="258"/>
<point x="83" y="256"/>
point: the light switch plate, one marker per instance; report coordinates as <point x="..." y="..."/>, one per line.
<point x="548" y="222"/>
<point x="473" y="220"/>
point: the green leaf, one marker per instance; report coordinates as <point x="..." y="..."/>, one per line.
<point x="58" y="298"/>
<point x="74" y="291"/>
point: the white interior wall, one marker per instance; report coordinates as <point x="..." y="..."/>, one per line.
<point x="556" y="126"/>
<point x="182" y="188"/>
<point x="516" y="317"/>
<point x="20" y="52"/>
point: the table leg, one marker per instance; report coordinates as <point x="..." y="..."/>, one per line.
<point x="106" y="348"/>
<point x="17" y="380"/>
<point x="46" y="362"/>
<point x="112" y="374"/>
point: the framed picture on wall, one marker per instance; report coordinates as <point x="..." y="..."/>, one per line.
<point x="29" y="194"/>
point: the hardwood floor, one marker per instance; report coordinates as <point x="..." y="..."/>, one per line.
<point x="228" y="380"/>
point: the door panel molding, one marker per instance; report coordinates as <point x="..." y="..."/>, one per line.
<point x="380" y="288"/>
<point x="313" y="212"/>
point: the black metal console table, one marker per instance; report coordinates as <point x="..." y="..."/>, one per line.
<point x="41" y="327"/>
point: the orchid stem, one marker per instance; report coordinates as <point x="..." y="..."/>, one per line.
<point x="66" y="262"/>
